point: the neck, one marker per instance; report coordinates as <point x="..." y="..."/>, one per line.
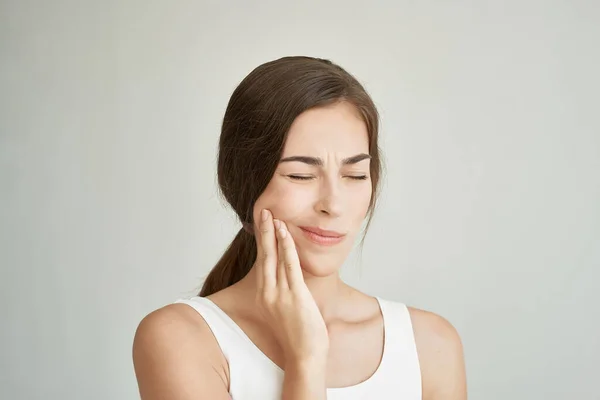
<point x="327" y="291"/>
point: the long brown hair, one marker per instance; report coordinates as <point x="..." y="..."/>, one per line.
<point x="255" y="127"/>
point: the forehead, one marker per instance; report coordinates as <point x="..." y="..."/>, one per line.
<point x="336" y="128"/>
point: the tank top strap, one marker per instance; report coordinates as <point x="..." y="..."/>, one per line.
<point x="398" y="324"/>
<point x="252" y="374"/>
<point x="400" y="352"/>
<point x="228" y="334"/>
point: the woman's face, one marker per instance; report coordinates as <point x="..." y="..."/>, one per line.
<point x="328" y="188"/>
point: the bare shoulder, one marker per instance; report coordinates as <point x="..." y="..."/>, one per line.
<point x="174" y="326"/>
<point x="440" y="352"/>
<point x="175" y="355"/>
<point x="433" y="329"/>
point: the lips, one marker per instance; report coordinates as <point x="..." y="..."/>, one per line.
<point x="322" y="232"/>
<point x="322" y="237"/>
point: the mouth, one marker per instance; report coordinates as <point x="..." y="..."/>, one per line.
<point x="322" y="237"/>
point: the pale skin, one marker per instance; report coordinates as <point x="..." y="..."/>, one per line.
<point x="293" y="304"/>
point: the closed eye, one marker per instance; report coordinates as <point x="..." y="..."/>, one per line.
<point x="306" y="178"/>
<point x="300" y="178"/>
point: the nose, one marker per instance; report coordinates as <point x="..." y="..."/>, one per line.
<point x="330" y="198"/>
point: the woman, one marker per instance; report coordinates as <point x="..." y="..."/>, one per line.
<point x="300" y="165"/>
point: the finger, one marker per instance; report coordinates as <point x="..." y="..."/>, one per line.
<point x="282" y="282"/>
<point x="260" y="278"/>
<point x="268" y="255"/>
<point x="291" y="261"/>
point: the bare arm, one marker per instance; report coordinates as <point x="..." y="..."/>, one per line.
<point x="175" y="358"/>
<point x="441" y="357"/>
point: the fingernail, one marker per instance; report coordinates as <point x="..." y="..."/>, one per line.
<point x="277" y="223"/>
<point x="283" y="233"/>
<point x="264" y="214"/>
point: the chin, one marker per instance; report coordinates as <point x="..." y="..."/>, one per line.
<point x="319" y="266"/>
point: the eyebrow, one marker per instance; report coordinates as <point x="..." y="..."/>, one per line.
<point x="319" y="162"/>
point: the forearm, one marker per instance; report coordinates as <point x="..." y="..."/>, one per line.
<point x="304" y="381"/>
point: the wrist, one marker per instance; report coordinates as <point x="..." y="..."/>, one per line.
<point x="306" y="364"/>
<point x="305" y="379"/>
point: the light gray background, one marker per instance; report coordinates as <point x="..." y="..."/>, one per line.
<point x="109" y="120"/>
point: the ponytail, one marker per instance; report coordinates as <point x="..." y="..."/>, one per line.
<point x="235" y="264"/>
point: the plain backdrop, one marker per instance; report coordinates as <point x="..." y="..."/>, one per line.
<point x="490" y="215"/>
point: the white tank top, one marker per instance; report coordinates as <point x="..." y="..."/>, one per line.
<point x="253" y="375"/>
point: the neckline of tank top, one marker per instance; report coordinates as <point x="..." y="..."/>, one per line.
<point x="356" y="386"/>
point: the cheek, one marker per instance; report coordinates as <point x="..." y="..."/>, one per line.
<point x="284" y="202"/>
<point x="289" y="204"/>
<point x="360" y="202"/>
